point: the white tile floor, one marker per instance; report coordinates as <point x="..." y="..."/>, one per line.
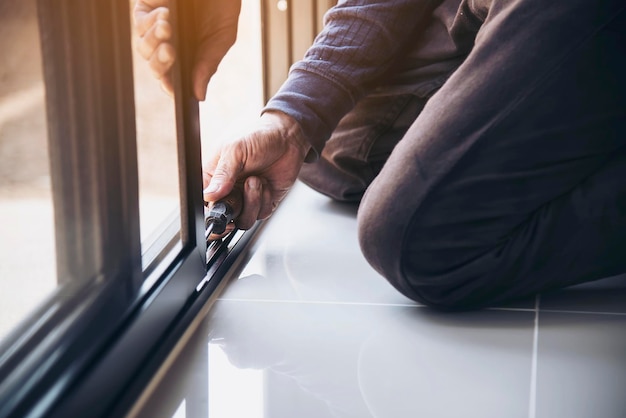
<point x="309" y="330"/>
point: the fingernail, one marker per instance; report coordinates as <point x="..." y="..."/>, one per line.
<point x="253" y="183"/>
<point x="212" y="188"/>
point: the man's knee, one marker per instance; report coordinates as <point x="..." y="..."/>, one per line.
<point x="381" y="239"/>
<point x="443" y="280"/>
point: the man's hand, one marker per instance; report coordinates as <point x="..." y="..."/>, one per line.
<point x="266" y="161"/>
<point x="216" y="27"/>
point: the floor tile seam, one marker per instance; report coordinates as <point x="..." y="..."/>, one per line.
<point x="575" y="312"/>
<point x="511" y="309"/>
<point x="347" y="303"/>
<point x="321" y="302"/>
<point x="415" y="305"/>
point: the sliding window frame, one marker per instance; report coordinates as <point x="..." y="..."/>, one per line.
<point x="94" y="346"/>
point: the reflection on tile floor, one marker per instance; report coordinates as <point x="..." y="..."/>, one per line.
<point x="310" y="331"/>
<point x="606" y="295"/>
<point x="299" y="259"/>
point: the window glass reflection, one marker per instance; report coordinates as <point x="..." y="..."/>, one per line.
<point x="159" y="198"/>
<point x="27" y="240"/>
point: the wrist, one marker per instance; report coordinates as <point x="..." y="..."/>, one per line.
<point x="290" y="129"/>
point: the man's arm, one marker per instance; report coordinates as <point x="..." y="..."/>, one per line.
<point x="360" y="42"/>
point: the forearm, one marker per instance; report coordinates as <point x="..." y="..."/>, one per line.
<point x="360" y="42"/>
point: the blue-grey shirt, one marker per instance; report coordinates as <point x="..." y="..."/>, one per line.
<point x="370" y="47"/>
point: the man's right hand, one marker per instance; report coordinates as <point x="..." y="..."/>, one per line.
<point x="266" y="162"/>
<point x="216" y="28"/>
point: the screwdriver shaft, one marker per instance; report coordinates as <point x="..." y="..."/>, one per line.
<point x="209" y="230"/>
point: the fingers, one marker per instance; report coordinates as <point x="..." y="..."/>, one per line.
<point x="160" y="63"/>
<point x="265" y="163"/>
<point x="146" y="12"/>
<point x="257" y="204"/>
<point x="161" y="60"/>
<point x="252" y="200"/>
<point x="219" y="177"/>
<point x="160" y="32"/>
<point x="222" y="172"/>
<point x="152" y="20"/>
<point x="251" y="203"/>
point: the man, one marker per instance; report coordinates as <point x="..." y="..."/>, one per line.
<point x="489" y="136"/>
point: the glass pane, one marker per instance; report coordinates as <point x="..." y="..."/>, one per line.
<point x="159" y="198"/>
<point x="27" y="240"/>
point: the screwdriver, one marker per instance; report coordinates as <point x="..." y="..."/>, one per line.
<point x="222" y="212"/>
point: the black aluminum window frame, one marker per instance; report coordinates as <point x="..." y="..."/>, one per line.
<point x="94" y="345"/>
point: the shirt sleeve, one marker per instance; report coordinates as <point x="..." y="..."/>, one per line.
<point x="360" y="42"/>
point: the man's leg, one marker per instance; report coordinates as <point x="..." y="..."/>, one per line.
<point x="360" y="145"/>
<point x="512" y="180"/>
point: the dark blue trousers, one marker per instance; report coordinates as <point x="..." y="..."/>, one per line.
<point x="509" y="180"/>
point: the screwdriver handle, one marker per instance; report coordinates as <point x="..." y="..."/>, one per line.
<point x="222" y="212"/>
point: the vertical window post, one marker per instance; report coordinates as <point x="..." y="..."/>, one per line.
<point x="188" y="128"/>
<point x="91" y="121"/>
